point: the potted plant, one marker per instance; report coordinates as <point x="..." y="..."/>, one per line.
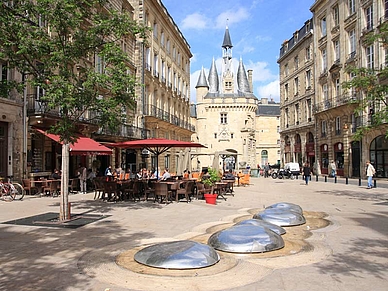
<point x="209" y="180"/>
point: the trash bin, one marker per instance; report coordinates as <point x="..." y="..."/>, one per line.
<point x="254" y="173"/>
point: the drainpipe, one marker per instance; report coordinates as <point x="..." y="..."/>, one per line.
<point x="25" y="127"/>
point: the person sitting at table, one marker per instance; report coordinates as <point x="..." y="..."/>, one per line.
<point x="56" y="175"/>
<point x="186" y="174"/>
<point x="166" y="174"/>
<point x="139" y="174"/>
<point x="156" y="174"/>
<point x="229" y="176"/>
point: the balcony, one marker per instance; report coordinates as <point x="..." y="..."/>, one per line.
<point x="126" y="131"/>
<point x="337" y="101"/>
<point x="160" y="114"/>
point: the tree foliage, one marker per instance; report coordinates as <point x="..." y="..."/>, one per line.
<point x="372" y="85"/>
<point x="72" y="50"/>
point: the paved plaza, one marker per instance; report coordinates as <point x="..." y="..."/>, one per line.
<point x="349" y="254"/>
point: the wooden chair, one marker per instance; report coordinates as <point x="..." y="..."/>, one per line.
<point x="245" y="180"/>
<point x="195" y="175"/>
<point x="201" y="190"/>
<point x="127" y="190"/>
<point x="127" y="176"/>
<point x="28" y="188"/>
<point x="52" y="188"/>
<point x="162" y="192"/>
<point x="110" y="191"/>
<point x="187" y="191"/>
<point x="73" y="185"/>
<point x="148" y="190"/>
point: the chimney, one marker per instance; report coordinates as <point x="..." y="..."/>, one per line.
<point x="250" y="80"/>
<point x="264" y="100"/>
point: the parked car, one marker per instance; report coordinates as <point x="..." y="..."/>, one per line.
<point x="293" y="168"/>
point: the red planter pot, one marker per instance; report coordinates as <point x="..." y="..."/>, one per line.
<point x="210" y="198"/>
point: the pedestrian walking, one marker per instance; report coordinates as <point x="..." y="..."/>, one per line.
<point x="266" y="170"/>
<point x="370" y="171"/>
<point x="306" y="173"/>
<point x="333" y="169"/>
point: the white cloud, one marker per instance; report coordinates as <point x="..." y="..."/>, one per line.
<point x="261" y="72"/>
<point x="231" y="16"/>
<point x="270" y="90"/>
<point x="195" y="20"/>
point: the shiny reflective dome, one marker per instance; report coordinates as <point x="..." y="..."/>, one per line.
<point x="258" y="222"/>
<point x="178" y="255"/>
<point x="280" y="217"/>
<point x="246" y="238"/>
<point x="286" y="206"/>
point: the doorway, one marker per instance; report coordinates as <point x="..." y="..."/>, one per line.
<point x="3" y="149"/>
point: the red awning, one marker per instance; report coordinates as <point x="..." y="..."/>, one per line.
<point x="83" y="146"/>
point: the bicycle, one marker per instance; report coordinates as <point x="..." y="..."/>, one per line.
<point x="11" y="191"/>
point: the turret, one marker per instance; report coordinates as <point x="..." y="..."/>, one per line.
<point x="202" y="87"/>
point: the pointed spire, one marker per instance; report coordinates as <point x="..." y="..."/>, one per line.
<point x="213" y="78"/>
<point x="227" y="40"/>
<point x="202" y="79"/>
<point x="242" y="79"/>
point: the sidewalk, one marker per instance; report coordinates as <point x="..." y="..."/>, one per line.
<point x="349" y="254"/>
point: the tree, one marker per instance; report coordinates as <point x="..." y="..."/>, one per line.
<point x="372" y="84"/>
<point x="71" y="49"/>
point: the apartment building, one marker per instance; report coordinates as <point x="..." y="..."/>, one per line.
<point x="162" y="64"/>
<point x="340" y="29"/>
<point x="297" y="89"/>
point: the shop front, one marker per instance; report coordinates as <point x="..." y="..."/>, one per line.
<point x="379" y="156"/>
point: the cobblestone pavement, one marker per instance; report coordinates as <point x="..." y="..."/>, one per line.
<point x="349" y="254"/>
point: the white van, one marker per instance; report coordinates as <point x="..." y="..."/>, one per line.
<point x="293" y="167"/>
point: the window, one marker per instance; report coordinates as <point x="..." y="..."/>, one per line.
<point x="155" y="31"/>
<point x="286" y="70"/>
<point x="308" y="79"/>
<point x="296" y="86"/>
<point x="337" y="85"/>
<point x="308" y="109"/>
<point x="370" y="57"/>
<point x="323" y="128"/>
<point x="148" y="58"/>
<point x="297" y="113"/>
<point x="352" y="41"/>
<point x="324" y="60"/>
<point x="167" y="161"/>
<point x="352" y="6"/>
<point x="215" y="135"/>
<point x="156" y="66"/>
<point x="264" y="157"/>
<point x="337" y="51"/>
<point x="99" y="64"/>
<point x="296" y="63"/>
<point x="162" y="38"/>
<point x="308" y="53"/>
<point x="287" y="116"/>
<point x="386" y="9"/>
<point x="338" y="125"/>
<point x="369" y="17"/>
<point x="323" y="26"/>
<point x="224" y="118"/>
<point x="325" y="95"/>
<point x="168" y="46"/>
<point x="4" y="72"/>
<point x="336" y="15"/>
<point x="285" y="91"/>
<point x="278" y="129"/>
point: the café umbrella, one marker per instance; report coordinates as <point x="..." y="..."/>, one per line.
<point x="157" y="146"/>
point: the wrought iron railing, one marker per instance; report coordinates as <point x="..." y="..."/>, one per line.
<point x="336" y="101"/>
<point x="159" y="113"/>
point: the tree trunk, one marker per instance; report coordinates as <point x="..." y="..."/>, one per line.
<point x="64" y="213"/>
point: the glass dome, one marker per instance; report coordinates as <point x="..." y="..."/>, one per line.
<point x="258" y="222"/>
<point x="286" y="206"/>
<point x="246" y="238"/>
<point x="280" y="217"/>
<point x="178" y="255"/>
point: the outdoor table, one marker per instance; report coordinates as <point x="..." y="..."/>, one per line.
<point x="169" y="184"/>
<point x="229" y="186"/>
<point x="220" y="188"/>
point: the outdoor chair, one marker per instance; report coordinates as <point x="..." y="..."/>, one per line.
<point x="200" y="190"/>
<point x="98" y="187"/>
<point x="110" y="191"/>
<point x="52" y="188"/>
<point x="162" y="192"/>
<point x="187" y="191"/>
<point x="30" y="190"/>
<point x="73" y="185"/>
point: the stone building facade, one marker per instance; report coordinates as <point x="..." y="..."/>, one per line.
<point x="163" y="107"/>
<point x="340" y="28"/>
<point x="228" y="117"/>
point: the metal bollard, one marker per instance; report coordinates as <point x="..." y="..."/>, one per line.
<point x="374" y="183"/>
<point x="335" y="179"/>
<point x="346" y="180"/>
<point x="325" y="178"/>
<point x="316" y="178"/>
<point x="359" y="182"/>
<point x="310" y="177"/>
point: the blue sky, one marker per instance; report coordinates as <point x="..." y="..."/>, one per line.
<point x="257" y="29"/>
